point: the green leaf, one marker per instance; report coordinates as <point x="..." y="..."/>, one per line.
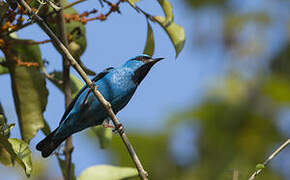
<point x="63" y="168"/>
<point x="174" y="31"/>
<point x="7" y="148"/>
<point x="5" y="157"/>
<point x="29" y="88"/>
<point x="23" y="153"/>
<point x="107" y="172"/>
<point x="75" y="83"/>
<point x="260" y="166"/>
<point x="104" y="135"/>
<point x="167" y="9"/>
<point x="19" y="151"/>
<point x="149" y="46"/>
<point x="3" y="69"/>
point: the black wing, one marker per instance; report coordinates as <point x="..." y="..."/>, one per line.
<point x="95" y="79"/>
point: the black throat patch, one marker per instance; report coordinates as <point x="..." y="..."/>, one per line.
<point x="141" y="72"/>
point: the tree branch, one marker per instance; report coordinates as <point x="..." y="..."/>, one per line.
<point x="275" y="153"/>
<point x="67" y="91"/>
<point x="57" y="43"/>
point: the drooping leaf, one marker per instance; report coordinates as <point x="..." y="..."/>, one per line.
<point x="63" y="168"/>
<point x="167" y="9"/>
<point x="18" y="150"/>
<point x="107" y="172"/>
<point x="149" y="46"/>
<point x="3" y="69"/>
<point x="28" y="86"/>
<point x="174" y="31"/>
<point x="75" y="83"/>
<point x="23" y="153"/>
<point x="104" y="135"/>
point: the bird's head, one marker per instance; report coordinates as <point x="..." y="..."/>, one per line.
<point x="141" y="65"/>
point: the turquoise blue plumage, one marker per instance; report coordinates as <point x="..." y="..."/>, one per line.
<point x="117" y="85"/>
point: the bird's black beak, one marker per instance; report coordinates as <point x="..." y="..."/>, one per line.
<point x="155" y="60"/>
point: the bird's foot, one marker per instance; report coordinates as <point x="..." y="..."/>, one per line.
<point x="119" y="129"/>
<point x="107" y="125"/>
<point x="116" y="129"/>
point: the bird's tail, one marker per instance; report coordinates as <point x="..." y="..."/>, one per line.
<point x="49" y="144"/>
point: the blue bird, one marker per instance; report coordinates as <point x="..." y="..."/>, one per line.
<point x="117" y="85"/>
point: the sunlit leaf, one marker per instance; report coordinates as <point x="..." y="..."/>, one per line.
<point x="63" y="168"/>
<point x="75" y="83"/>
<point x="149" y="46"/>
<point x="23" y="153"/>
<point x="167" y="9"/>
<point x="104" y="135"/>
<point x="28" y="86"/>
<point x="107" y="172"/>
<point x="19" y="151"/>
<point x="174" y="31"/>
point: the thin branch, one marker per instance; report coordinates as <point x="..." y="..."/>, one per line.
<point x="57" y="43"/>
<point x="50" y="77"/>
<point x="274" y="154"/>
<point x="67" y="91"/>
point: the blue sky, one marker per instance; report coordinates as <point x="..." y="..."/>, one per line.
<point x="171" y="86"/>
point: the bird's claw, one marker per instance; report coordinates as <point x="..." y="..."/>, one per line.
<point x="107" y="125"/>
<point x="119" y="129"/>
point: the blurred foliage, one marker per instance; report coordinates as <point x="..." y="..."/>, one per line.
<point x="107" y="172"/>
<point x="28" y="86"/>
<point x="281" y="62"/>
<point x="236" y="118"/>
<point x="199" y="3"/>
